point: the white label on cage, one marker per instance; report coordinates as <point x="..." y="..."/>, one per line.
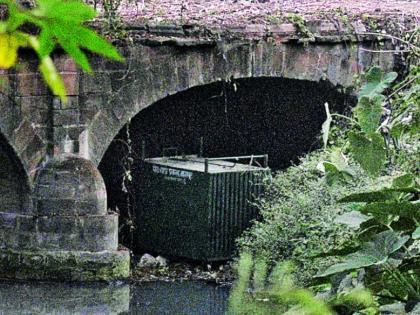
<point x="172" y="172"/>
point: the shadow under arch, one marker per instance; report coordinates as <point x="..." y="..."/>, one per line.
<point x="275" y="116"/>
<point x="15" y="189"/>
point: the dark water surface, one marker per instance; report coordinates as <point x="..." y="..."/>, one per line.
<point x="100" y="299"/>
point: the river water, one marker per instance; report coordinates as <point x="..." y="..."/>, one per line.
<point x="183" y="298"/>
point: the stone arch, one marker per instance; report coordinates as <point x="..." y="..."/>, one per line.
<point x="103" y="122"/>
<point x="284" y="145"/>
<point x="157" y="72"/>
<point x="15" y="187"/>
<point x="20" y="134"/>
<point x="241" y="117"/>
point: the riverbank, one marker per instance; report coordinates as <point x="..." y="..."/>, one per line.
<point x="148" y="268"/>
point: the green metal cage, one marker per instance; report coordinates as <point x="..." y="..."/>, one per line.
<point x="196" y="207"/>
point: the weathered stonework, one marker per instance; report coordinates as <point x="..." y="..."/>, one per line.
<point x="53" y="217"/>
<point x="64" y="265"/>
<point x="68" y="234"/>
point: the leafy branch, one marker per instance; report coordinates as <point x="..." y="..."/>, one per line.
<point x="366" y="143"/>
<point x="60" y="23"/>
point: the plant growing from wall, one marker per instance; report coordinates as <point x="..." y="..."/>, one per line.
<point x="299" y="22"/>
<point x="57" y="23"/>
<point x="114" y="24"/>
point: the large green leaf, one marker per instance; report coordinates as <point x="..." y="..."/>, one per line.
<point x="332" y="173"/>
<point x="47" y="45"/>
<point x="386" y="212"/>
<point x="416" y="234"/>
<point x="52" y="77"/>
<point x="352" y="219"/>
<point x="376" y="82"/>
<point x="61" y="22"/>
<point x="338" y="158"/>
<point x="404" y="181"/>
<point x="385" y="194"/>
<point x="68" y="41"/>
<point x="370" y="153"/>
<point x="75" y="11"/>
<point x="373" y="253"/>
<point x="370" y="196"/>
<point x="88" y="39"/>
<point x="369" y="112"/>
<point x="339" y="251"/>
<point x="337" y="169"/>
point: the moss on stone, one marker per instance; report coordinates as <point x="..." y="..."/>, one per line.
<point x="64" y="265"/>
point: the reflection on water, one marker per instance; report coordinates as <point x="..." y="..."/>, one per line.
<point x="100" y="299"/>
<point x="63" y="299"/>
<point x="178" y="298"/>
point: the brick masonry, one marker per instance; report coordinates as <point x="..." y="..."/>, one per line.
<point x="53" y="197"/>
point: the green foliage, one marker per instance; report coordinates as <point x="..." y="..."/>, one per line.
<point x="388" y="229"/>
<point x="387" y="238"/>
<point x="373" y="253"/>
<point x="376" y="83"/>
<point x="368" y="151"/>
<point x="300" y="23"/>
<point x="273" y="19"/>
<point x="262" y="293"/>
<point x="298" y="215"/>
<point x="366" y="143"/>
<point x="114" y="26"/>
<point x="337" y="169"/>
<point x="404" y="126"/>
<point x="301" y="211"/>
<point x="256" y="292"/>
<point x="60" y="24"/>
<point x="355" y="301"/>
<point x="369" y="112"/>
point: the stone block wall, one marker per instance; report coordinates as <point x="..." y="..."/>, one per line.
<point x="68" y="234"/>
<point x="54" y="222"/>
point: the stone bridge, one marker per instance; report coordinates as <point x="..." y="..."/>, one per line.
<point x="54" y="221"/>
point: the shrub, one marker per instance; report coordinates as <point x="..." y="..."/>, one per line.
<point x="298" y="215"/>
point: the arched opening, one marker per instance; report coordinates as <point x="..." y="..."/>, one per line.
<point x="274" y="116"/>
<point x="14" y="188"/>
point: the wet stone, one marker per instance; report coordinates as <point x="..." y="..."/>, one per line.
<point x="64" y="265"/>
